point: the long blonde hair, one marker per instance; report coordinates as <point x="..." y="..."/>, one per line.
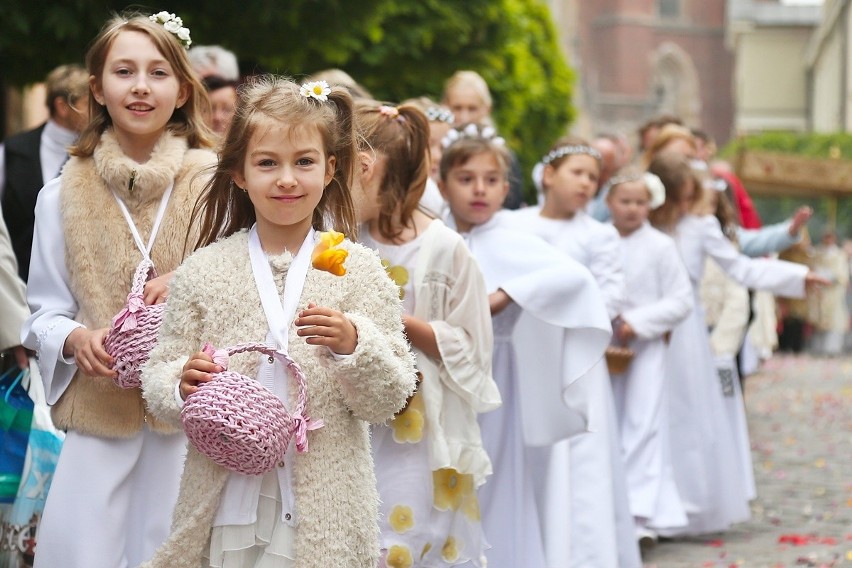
<point x="185" y="121"/>
<point x="264" y="100"/>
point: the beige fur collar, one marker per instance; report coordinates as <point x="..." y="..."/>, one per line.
<point x="150" y="179"/>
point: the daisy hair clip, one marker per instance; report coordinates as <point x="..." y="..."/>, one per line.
<point x="318" y="90"/>
<point x="174" y="25"/>
<point x="472" y="131"/>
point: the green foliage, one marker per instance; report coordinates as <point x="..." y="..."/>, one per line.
<point x="813" y="145"/>
<point x="396" y="48"/>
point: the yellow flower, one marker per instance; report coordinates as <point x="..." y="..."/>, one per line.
<point x="327" y="256"/>
<point x="401" y="518"/>
<point x="399" y="557"/>
<point x="450" y="550"/>
<point x="451" y="488"/>
<point x="408" y="426"/>
<point x="399" y="275"/>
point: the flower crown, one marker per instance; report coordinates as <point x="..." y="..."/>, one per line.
<point x="439" y="114"/>
<point x="652" y="182"/>
<point x="570" y="150"/>
<point x="174" y="25"/>
<point x="318" y="90"/>
<point x="472" y="131"/>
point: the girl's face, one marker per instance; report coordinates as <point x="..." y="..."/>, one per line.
<point x="223" y="106"/>
<point x="140" y="90"/>
<point x="475" y="190"/>
<point x="687" y="197"/>
<point x="629" y="204"/>
<point x="571" y="185"/>
<point x="284" y="173"/>
<point x="467" y="104"/>
<point x="437" y="131"/>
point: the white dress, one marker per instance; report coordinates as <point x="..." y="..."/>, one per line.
<point x="550" y="287"/>
<point x="595" y="527"/>
<point x="659" y="296"/>
<point x="710" y="474"/>
<point x="117" y="492"/>
<point x="410" y="519"/>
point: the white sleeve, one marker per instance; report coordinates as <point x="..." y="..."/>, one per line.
<point x="785" y="279"/>
<point x="49" y="295"/>
<point x="606" y="266"/>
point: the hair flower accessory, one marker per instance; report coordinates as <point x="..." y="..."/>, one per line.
<point x="173" y="24"/>
<point x="328" y="255"/>
<point x="318" y="90"/>
<point x="472" y="131"/>
<point x="655" y="188"/>
<point x="389" y="111"/>
<point x="570" y="150"/>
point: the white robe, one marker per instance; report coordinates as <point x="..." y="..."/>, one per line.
<point x="659" y="296"/>
<point x="540" y="405"/>
<point x="596" y="527"/>
<point x="708" y="469"/>
<point x="108" y="491"/>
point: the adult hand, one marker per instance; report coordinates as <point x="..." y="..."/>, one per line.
<point x="800" y="218"/>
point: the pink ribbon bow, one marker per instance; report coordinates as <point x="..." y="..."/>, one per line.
<point x="303" y="426"/>
<point x="125" y="320"/>
<point x="219" y="356"/>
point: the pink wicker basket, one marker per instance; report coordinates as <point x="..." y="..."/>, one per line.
<point x="134" y="330"/>
<point x="240" y="425"/>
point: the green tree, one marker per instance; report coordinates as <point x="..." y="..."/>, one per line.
<point x="396" y="48"/>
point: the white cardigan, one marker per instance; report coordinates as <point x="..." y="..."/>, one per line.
<point x="214" y="299"/>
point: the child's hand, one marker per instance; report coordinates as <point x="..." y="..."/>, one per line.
<point x="87" y="348"/>
<point x="197" y="370"/>
<point x="324" y="326"/>
<point x="157" y="289"/>
<point x="498" y="301"/>
<point x="624" y="331"/>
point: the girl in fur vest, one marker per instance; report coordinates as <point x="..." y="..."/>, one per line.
<point x="283" y="175"/>
<point x="430" y="459"/>
<point x="133" y="169"/>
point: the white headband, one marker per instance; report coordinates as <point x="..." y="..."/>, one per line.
<point x="652" y="182"/>
<point x="570" y="150"/>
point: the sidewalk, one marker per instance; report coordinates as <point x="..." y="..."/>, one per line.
<point x="800" y="416"/>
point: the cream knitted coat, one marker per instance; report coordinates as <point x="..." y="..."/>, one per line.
<point x="214" y="298"/>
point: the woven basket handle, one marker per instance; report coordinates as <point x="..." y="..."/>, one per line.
<point x="144" y="272"/>
<point x="301" y="384"/>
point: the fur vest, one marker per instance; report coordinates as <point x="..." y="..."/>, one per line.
<point x="102" y="256"/>
<point x="214" y="299"/>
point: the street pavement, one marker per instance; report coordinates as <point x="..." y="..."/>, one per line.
<point x="800" y="417"/>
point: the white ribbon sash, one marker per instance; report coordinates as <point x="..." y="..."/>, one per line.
<point x="161" y="211"/>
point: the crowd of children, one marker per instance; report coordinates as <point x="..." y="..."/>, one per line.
<point x="485" y="384"/>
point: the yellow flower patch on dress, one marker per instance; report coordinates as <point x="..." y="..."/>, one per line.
<point x="452" y="489"/>
<point x="327" y="255"/>
<point x="450" y="550"/>
<point x="399" y="557"/>
<point x="408" y="426"/>
<point x="399" y="274"/>
<point x="401" y="519"/>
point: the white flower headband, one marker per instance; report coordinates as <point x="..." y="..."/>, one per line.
<point x="174" y="25"/>
<point x="652" y="182"/>
<point x="439" y="114"/>
<point x="318" y="90"/>
<point x="472" y="131"/>
<point x="570" y="150"/>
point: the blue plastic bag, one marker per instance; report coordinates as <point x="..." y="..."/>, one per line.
<point x="16" y="417"/>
